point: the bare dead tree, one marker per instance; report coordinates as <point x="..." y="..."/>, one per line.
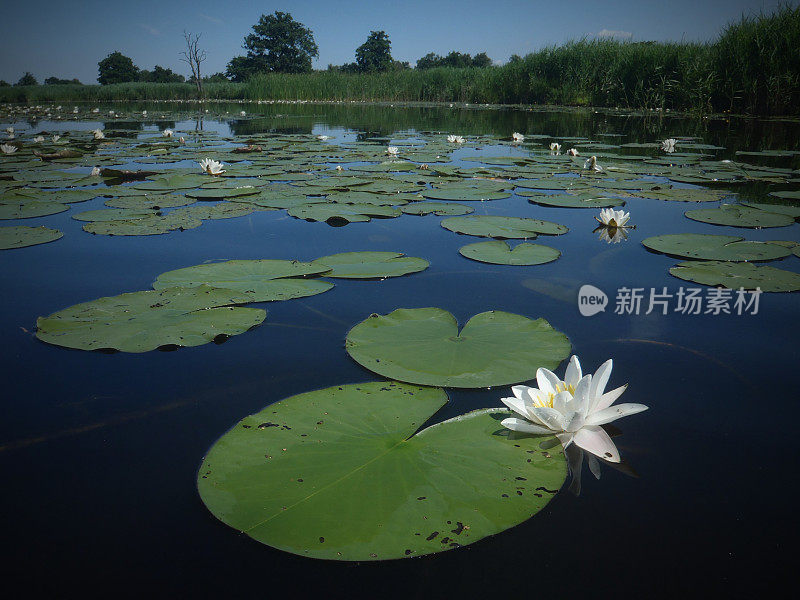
<point x="194" y="55"/>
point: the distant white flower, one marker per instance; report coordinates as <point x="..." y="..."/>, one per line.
<point x="668" y="145"/>
<point x="573" y="409"/>
<point x="38" y="139"/>
<point x="572" y="152"/>
<point x="392" y="151"/>
<point x="613" y="218"/>
<point x="10" y="130"/>
<point x="455" y="139"/>
<point x="144" y="113"/>
<point x="98" y="134"/>
<point x="8" y="148"/>
<point x="95" y="171"/>
<point x="242" y="113"/>
<point x="111" y="112"/>
<point x="322" y="138"/>
<point x="95" y="110"/>
<point x="75" y="110"/>
<point x="167" y="133"/>
<point x="555" y="147"/>
<point x="339" y="168"/>
<point x="56" y="138"/>
<point x="182" y="140"/>
<point x="210" y="166"/>
<point x="591" y="163"/>
<point x="517" y="137"/>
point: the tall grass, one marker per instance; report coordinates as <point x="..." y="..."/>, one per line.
<point x="753" y="66"/>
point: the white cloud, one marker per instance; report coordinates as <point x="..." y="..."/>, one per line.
<point x="149" y="29"/>
<point x="613" y="33"/>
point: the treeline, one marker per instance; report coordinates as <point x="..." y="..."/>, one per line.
<point x="753" y="67"/>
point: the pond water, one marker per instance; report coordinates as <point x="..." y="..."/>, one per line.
<point x="100" y="451"/>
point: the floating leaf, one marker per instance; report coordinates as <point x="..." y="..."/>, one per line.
<point x="498" y="252"/>
<point x="737" y="275"/>
<point x="186" y="181"/>
<point x="568" y="201"/>
<point x="465" y="193"/>
<point x="714" y="247"/>
<point x="352" y="451"/>
<point x="30" y="209"/>
<point x="502" y="227"/>
<point x="143" y="321"/>
<point x="423" y="346"/>
<point x="437" y="208"/>
<point x="370" y="265"/>
<point x="218" y="193"/>
<point x="791" y="210"/>
<point x="154" y="202"/>
<point x="113" y="214"/>
<point x="153" y="225"/>
<point x="255" y="280"/>
<point x="21" y="236"/>
<point x="736" y="215"/>
<point x="348" y="213"/>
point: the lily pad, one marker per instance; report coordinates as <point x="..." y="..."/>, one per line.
<point x="736" y="215"/>
<point x="424" y="346"/>
<point x="499" y="252"/>
<point x="465" y="193"/>
<point x="144" y="321"/>
<point x="791" y="210"/>
<point x="352" y="451"/>
<point x="255" y="280"/>
<point x="370" y="265"/>
<point x="221" y="193"/>
<point x="154" y="202"/>
<point x="152" y="225"/>
<point x="437" y="208"/>
<point x="113" y="214"/>
<point x="714" y="247"/>
<point x="568" y="201"/>
<point x="171" y="183"/>
<point x="737" y="275"/>
<point x="30" y="209"/>
<point x="502" y="227"/>
<point x="347" y="213"/>
<point x="22" y="236"/>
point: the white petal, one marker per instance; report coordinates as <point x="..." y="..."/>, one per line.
<point x="521" y="391"/>
<point x="565" y="439"/>
<point x="563" y="403"/>
<point x="515" y="404"/>
<point x="550" y="417"/>
<point x="524" y="426"/>
<point x="595" y="440"/>
<point x="609" y="398"/>
<point x="599" y="382"/>
<point x="547" y="381"/>
<point x="581" y="403"/>
<point x="574" y="422"/>
<point x="573" y="374"/>
<point x="612" y="413"/>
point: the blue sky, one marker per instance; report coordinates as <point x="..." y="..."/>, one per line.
<point x="67" y="39"/>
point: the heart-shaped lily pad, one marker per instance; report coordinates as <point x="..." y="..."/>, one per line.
<point x="347" y="213"/>
<point x="170" y="183"/>
<point x="502" y="227"/>
<point x="220" y="193"/>
<point x="569" y="201"/>
<point x="736" y="215"/>
<point x="464" y="193"/>
<point x="255" y="280"/>
<point x="30" y="209"/>
<point x="144" y="321"/>
<point x="351" y="451"/>
<point x="152" y="225"/>
<point x="714" y="247"/>
<point x="113" y="214"/>
<point x="154" y="202"/>
<point x="737" y="275"/>
<point x="792" y="210"/>
<point x="424" y="346"/>
<point x="370" y="265"/>
<point x="437" y="208"/>
<point x="21" y="236"/>
<point x="499" y="252"/>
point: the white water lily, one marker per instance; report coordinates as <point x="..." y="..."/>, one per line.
<point x="613" y="218"/>
<point x="668" y="145"/>
<point x="573" y="408"/>
<point x="322" y="138"/>
<point x="56" y="138"/>
<point x="144" y="113"/>
<point x="38" y="139"/>
<point x="572" y="152"/>
<point x="95" y="172"/>
<point x="242" y="113"/>
<point x="95" y="110"/>
<point x="10" y="130"/>
<point x="167" y="133"/>
<point x="8" y="148"/>
<point x="613" y="235"/>
<point x="591" y="163"/>
<point x="98" y="134"/>
<point x="75" y="110"/>
<point x="339" y="168"/>
<point x="555" y="147"/>
<point x="517" y="137"/>
<point x="210" y="166"/>
<point x="455" y="139"/>
<point x="182" y="140"/>
<point x="392" y="151"/>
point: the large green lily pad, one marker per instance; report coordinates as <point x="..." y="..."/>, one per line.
<point x="210" y="193"/>
<point x="569" y="201"/>
<point x="255" y="280"/>
<point x="714" y="247"/>
<point x="791" y="210"/>
<point x="736" y="215"/>
<point x="424" y="346"/>
<point x="737" y="275"/>
<point x="437" y="208"/>
<point x="502" y="227"/>
<point x="113" y="214"/>
<point x="186" y="181"/>
<point x="348" y="213"/>
<point x="30" y="209"/>
<point x="499" y="252"/>
<point x="370" y="265"/>
<point x="144" y="321"/>
<point x="340" y="474"/>
<point x="21" y="236"/>
<point x="154" y="202"/>
<point x="152" y="225"/>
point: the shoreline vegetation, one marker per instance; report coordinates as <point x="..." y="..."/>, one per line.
<point x="752" y="68"/>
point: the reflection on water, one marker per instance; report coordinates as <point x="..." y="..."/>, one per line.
<point x="99" y="452"/>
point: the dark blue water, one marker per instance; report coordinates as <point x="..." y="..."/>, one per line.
<point x="99" y="452"/>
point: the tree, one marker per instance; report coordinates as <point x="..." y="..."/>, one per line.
<point x="481" y="60"/>
<point x="4" y="83"/>
<point x="215" y="78"/>
<point x="515" y="58"/>
<point x="27" y="79"/>
<point x="117" y="68"/>
<point x="279" y="44"/>
<point x="242" y="68"/>
<point x="160" y="74"/>
<point x="57" y="81"/>
<point x="375" y="54"/>
<point x="194" y="56"/>
<point x="457" y="60"/>
<point x="429" y="61"/>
